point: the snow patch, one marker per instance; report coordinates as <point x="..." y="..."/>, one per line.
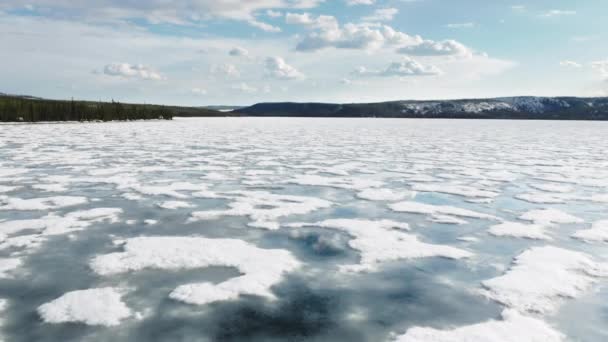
<point x="264" y="208"/>
<point x="102" y="306"/>
<point x="520" y="230"/>
<point x="459" y="190"/>
<point x="513" y="327"/>
<point x="261" y="268"/>
<point x="541" y="277"/>
<point x="383" y="195"/>
<point x="597" y="233"/>
<point x="46" y="203"/>
<point x="430" y="209"/>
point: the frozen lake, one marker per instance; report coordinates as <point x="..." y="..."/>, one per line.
<point x="245" y="229"/>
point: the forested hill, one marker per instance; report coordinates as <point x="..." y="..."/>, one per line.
<point x="31" y="109"/>
<point x="537" y="108"/>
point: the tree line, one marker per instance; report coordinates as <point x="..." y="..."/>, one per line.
<point x="21" y="109"/>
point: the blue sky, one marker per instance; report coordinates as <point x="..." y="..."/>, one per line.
<point x="202" y="52"/>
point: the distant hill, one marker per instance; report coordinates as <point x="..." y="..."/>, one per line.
<point x="525" y="107"/>
<point x="22" y="108"/>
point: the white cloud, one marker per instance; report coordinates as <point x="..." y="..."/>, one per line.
<point x="433" y="48"/>
<point x="276" y="67"/>
<point x="407" y="67"/>
<point x="353" y="36"/>
<point x="557" y="13"/>
<point x="570" y="64"/>
<point x="601" y="67"/>
<point x="360" y="2"/>
<point x="127" y="70"/>
<point x="177" y="11"/>
<point x="324" y="22"/>
<point x="264" y="26"/>
<point x="382" y="14"/>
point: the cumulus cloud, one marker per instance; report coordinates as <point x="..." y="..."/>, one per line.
<point x="382" y="14"/>
<point x="276" y="67"/>
<point x="433" y="48"/>
<point x="126" y="70"/>
<point x="355" y="36"/>
<point x="407" y="67"/>
<point x="177" y="11"/>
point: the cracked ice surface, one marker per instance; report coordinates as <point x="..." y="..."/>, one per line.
<point x="310" y="229"/>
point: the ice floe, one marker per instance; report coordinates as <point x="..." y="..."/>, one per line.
<point x="550" y="216"/>
<point x="430" y="209"/>
<point x="384" y="240"/>
<point x="171" y="205"/>
<point x="597" y="233"/>
<point x="542" y="277"/>
<point x="102" y="306"/>
<point x="261" y="268"/>
<point x="52" y="224"/>
<point x="264" y="208"/>
<point x="45" y="203"/>
<point x="350" y="183"/>
<point x="552" y="187"/>
<point x="384" y="195"/>
<point x="513" y="327"/>
<point x="459" y="190"/>
<point x="520" y="230"/>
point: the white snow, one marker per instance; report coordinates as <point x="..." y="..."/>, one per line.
<point x="546" y="198"/>
<point x="520" y="230"/>
<point x="385" y="240"/>
<point x="383" y="195"/>
<point x="261" y="268"/>
<point x="102" y="306"/>
<point x="552" y="187"/>
<point x="45" y="203"/>
<point x="430" y="209"/>
<point x="350" y="183"/>
<point x="170" y="190"/>
<point x="52" y="224"/>
<point x="513" y="327"/>
<point x="597" y="233"/>
<point x="459" y="190"/>
<point x="171" y="205"/>
<point x="541" y="277"/>
<point x="447" y="219"/>
<point x="264" y="208"/>
<point x="7" y="265"/>
<point x="550" y="216"/>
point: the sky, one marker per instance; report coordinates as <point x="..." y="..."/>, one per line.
<point x="212" y="52"/>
